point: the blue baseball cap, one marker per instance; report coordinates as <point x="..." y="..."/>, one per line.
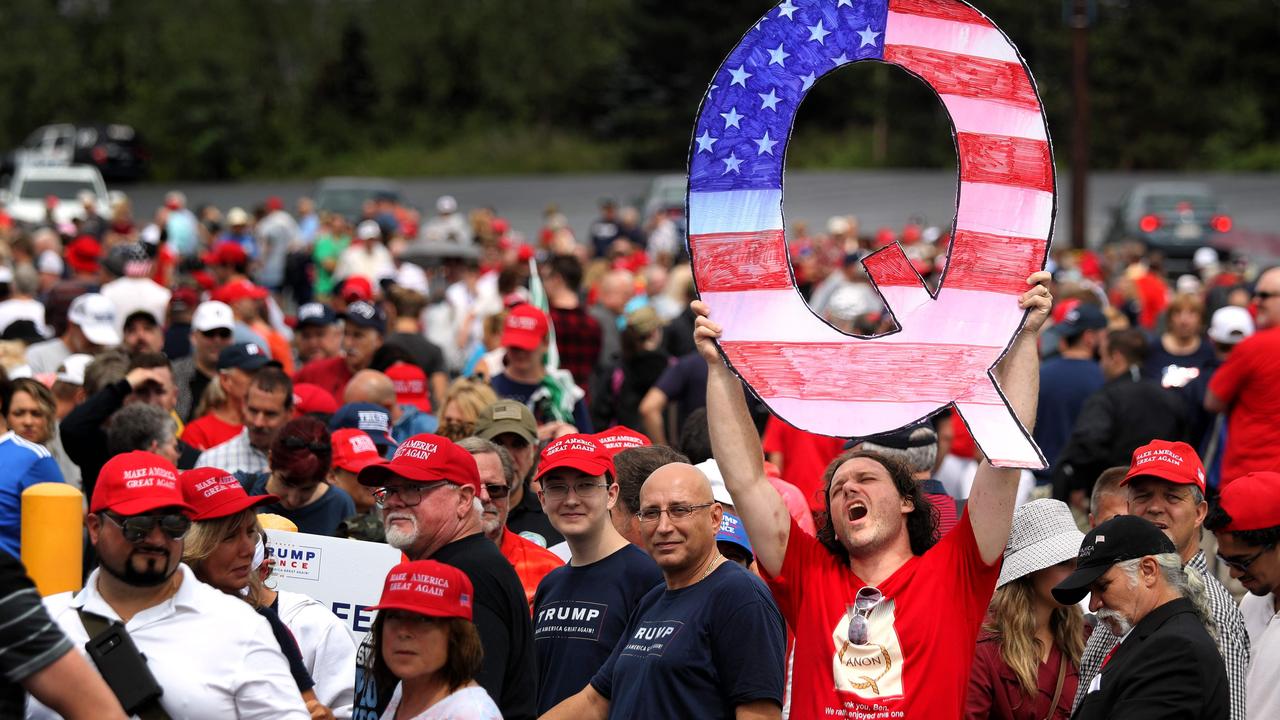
<point x="374" y="420"/>
<point x="732" y="531"/>
<point x="317" y="315"/>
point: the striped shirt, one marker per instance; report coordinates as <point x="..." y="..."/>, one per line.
<point x="235" y="456"/>
<point x="29" y="639"/>
<point x="1231" y="636"/>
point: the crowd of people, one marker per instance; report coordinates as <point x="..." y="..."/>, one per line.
<point x="597" y="519"/>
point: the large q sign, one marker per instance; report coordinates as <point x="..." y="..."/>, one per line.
<point x="808" y="373"/>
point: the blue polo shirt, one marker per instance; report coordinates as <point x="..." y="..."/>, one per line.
<point x="25" y="464"/>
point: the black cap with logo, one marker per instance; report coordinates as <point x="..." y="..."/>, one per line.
<point x="244" y="356"/>
<point x="363" y="314"/>
<point x="1124" y="537"/>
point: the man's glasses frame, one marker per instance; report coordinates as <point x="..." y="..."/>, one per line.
<point x="410" y="494"/>
<point x="1243" y="564"/>
<point x="137" y="528"/>
<point x="675" y="512"/>
<point x="584" y="489"/>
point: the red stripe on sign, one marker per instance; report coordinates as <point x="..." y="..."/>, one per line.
<point x="965" y="75"/>
<point x="890" y="267"/>
<point x="994" y="263"/>
<point x="861" y="370"/>
<point x="1005" y="160"/>
<point x="940" y="9"/>
<point x="741" y="261"/>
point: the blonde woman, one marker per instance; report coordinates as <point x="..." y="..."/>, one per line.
<point x="462" y="405"/>
<point x="1028" y="655"/>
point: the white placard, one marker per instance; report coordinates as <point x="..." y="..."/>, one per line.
<point x="344" y="574"/>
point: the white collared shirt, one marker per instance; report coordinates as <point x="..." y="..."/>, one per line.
<point x="213" y="654"/>
<point x="1263" y="622"/>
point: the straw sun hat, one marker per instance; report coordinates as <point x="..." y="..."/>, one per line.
<point x="1043" y="535"/>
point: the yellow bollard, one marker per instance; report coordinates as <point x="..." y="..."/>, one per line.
<point x="52" y="536"/>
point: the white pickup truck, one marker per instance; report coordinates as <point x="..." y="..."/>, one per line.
<point x="32" y="185"/>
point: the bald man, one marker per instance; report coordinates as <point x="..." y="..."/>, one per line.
<point x="373" y="386"/>
<point x="616" y="288"/>
<point x="708" y="642"/>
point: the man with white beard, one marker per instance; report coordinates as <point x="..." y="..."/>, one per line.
<point x="1166" y="664"/>
<point x="430" y="495"/>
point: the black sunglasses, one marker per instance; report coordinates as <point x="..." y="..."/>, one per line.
<point x="217" y="333"/>
<point x="136" y="528"/>
<point x="1264" y="295"/>
<point x="497" y="492"/>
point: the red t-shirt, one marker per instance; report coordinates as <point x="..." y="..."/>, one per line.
<point x="1249" y="383"/>
<point x="207" y="430"/>
<point x="332" y="374"/>
<point x="531" y="561"/>
<point x="921" y="636"/>
<point x="805" y="457"/>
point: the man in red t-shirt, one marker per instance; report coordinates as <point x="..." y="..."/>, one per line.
<point x="802" y="456"/>
<point x="364" y="328"/>
<point x="1247" y="387"/>
<point x="885" y="621"/>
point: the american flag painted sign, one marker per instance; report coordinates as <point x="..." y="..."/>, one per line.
<point x="808" y="373"/>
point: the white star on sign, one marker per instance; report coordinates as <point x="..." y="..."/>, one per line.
<point x="840" y="59"/>
<point x="868" y="37"/>
<point x="731" y="164"/>
<point x="787" y="9"/>
<point x="817" y="32"/>
<point x="769" y="101"/>
<point x="705" y="141"/>
<point x="739" y="76"/>
<point x="806" y="81"/>
<point x="777" y="55"/>
<point x="731" y="118"/>
<point x="843" y="3"/>
<point x="765" y="144"/>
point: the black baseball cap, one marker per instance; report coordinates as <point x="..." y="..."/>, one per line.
<point x="363" y="314"/>
<point x="1083" y="316"/>
<point x="243" y="356"/>
<point x="1124" y="537"/>
<point x="316" y="314"/>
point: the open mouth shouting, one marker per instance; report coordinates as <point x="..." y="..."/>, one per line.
<point x="856" y="510"/>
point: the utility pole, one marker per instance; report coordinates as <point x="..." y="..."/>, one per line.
<point x="1078" y="17"/>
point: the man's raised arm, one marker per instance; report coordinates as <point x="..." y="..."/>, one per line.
<point x="736" y="448"/>
<point x="995" y="490"/>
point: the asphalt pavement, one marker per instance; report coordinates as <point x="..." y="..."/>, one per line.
<point x="878" y="198"/>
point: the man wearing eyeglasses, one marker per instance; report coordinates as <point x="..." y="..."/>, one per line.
<point x="885" y="620"/>
<point x="1245" y="388"/>
<point x="211" y="327"/>
<point x="1166" y="486"/>
<point x="497" y="470"/>
<point x="1246" y="523"/>
<point x="211" y="653"/>
<point x="581" y="609"/>
<point x="431" y="498"/>
<point x="707" y="643"/>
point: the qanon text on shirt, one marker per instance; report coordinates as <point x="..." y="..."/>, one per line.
<point x="575" y="620"/>
<point x="652" y="638"/>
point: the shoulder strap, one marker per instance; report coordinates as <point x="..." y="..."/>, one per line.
<point x="95" y="625"/>
<point x="1057" y="692"/>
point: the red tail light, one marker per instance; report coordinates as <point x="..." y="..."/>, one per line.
<point x="1149" y="223"/>
<point x="1221" y="223"/>
<point x="99" y="154"/>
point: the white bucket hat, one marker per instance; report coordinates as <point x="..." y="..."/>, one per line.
<point x="1043" y="535"/>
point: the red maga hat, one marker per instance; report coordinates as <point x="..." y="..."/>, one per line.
<point x="1176" y="462"/>
<point x="411" y="385"/>
<point x="138" y="482"/>
<point x="226" y="252"/>
<point x="237" y="290"/>
<point x="619" y="438"/>
<point x="216" y="493"/>
<point x="309" y="398"/>
<point x="353" y="450"/>
<point x="525" y="327"/>
<point x="425" y="458"/>
<point x="429" y="588"/>
<point x="1252" y="501"/>
<point x="580" y="452"/>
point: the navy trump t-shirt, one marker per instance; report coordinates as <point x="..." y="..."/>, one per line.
<point x="700" y="651"/>
<point x="578" y="615"/>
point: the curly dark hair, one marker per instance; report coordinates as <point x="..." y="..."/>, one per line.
<point x="302" y="450"/>
<point x="922" y="521"/>
<point x="1264" y="537"/>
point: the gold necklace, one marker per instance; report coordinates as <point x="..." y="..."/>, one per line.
<point x="715" y="562"/>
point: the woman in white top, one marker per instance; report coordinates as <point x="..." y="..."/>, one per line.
<point x="423" y="635"/>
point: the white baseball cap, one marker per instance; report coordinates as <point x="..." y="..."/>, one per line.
<point x="446" y="204"/>
<point x="72" y="370"/>
<point x="213" y="315"/>
<point x="369" y="230"/>
<point x="719" y="492"/>
<point x="6" y="274"/>
<point x="1230" y="325"/>
<point x="50" y="263"/>
<point x="95" y="315"/>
